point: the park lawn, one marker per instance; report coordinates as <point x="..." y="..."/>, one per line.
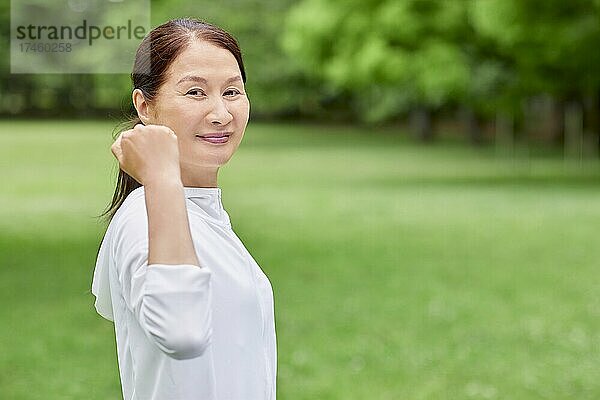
<point x="400" y="271"/>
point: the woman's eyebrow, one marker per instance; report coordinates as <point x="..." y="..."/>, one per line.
<point x="194" y="78"/>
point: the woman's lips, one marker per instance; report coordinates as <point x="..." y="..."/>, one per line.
<point x="215" y="138"/>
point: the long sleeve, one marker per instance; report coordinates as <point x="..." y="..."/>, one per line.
<point x="172" y="303"/>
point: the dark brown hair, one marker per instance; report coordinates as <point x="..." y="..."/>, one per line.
<point x="153" y="58"/>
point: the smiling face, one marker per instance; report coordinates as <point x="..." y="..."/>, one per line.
<point x="203" y="95"/>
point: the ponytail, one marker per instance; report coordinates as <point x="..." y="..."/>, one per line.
<point x="125" y="183"/>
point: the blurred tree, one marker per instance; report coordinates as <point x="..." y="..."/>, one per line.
<point x="482" y="57"/>
<point x="551" y="47"/>
<point x="394" y="56"/>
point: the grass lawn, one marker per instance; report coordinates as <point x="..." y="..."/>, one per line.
<point x="400" y="271"/>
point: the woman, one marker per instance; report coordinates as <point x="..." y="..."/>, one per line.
<point x="193" y="312"/>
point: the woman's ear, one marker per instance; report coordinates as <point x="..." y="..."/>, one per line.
<point x="141" y="106"/>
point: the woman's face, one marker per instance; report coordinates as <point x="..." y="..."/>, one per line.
<point x="203" y="95"/>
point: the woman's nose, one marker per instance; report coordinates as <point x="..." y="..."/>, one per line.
<point x="219" y="114"/>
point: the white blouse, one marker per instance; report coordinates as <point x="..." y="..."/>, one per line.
<point x="185" y="332"/>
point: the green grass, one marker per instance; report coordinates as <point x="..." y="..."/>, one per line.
<point x="400" y="271"/>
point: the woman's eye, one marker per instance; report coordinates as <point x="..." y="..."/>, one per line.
<point x="195" y="92"/>
<point x="232" y="92"/>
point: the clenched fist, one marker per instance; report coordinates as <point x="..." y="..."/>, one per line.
<point x="148" y="153"/>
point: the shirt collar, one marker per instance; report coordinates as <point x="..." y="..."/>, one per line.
<point x="209" y="203"/>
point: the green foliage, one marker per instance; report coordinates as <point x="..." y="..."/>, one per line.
<point x="487" y="54"/>
<point x="404" y="53"/>
<point x="552" y="45"/>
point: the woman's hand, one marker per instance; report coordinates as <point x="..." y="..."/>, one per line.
<point x="148" y="153"/>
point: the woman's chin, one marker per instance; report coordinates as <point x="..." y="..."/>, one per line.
<point x="215" y="161"/>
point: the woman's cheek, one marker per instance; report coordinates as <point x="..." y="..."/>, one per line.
<point x="242" y="110"/>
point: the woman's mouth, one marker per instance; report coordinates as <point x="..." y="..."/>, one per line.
<point x="215" y="138"/>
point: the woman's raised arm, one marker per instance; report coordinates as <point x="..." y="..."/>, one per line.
<point x="157" y="264"/>
<point x="150" y="155"/>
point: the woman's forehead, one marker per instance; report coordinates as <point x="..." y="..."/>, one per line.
<point x="205" y="60"/>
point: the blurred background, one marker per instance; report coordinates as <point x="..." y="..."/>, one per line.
<point x="419" y="180"/>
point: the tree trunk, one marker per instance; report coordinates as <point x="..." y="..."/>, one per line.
<point x="420" y="122"/>
<point x="555" y="121"/>
<point x="471" y="125"/>
<point x="591" y="123"/>
<point x="505" y="134"/>
<point x="573" y="130"/>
